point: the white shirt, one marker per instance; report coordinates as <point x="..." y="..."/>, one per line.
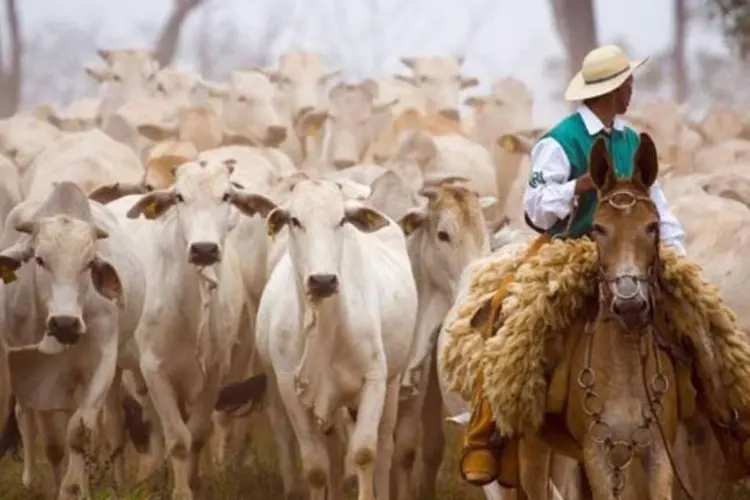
<point x="552" y="199"/>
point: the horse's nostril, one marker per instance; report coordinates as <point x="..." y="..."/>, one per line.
<point x="629" y="306"/>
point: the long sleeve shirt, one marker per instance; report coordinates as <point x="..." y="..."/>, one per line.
<point x="549" y="197"/>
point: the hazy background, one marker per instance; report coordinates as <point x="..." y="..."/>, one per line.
<point x="366" y="37"/>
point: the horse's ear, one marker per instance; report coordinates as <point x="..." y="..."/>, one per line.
<point x="646" y="162"/>
<point x="600" y="167"/>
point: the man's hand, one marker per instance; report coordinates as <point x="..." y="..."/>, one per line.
<point x="584" y="184"/>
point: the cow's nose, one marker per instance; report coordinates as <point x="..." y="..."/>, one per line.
<point x="66" y="329"/>
<point x="451" y="114"/>
<point x="322" y="285"/>
<point x="275" y="135"/>
<point x="343" y="163"/>
<point x="204" y="253"/>
<point x="304" y="110"/>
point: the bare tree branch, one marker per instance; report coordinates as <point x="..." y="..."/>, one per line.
<point x="678" y="53"/>
<point x="576" y="27"/>
<point x="734" y="16"/>
<point x="11" y="76"/>
<point x="480" y="14"/>
<point x="166" y="47"/>
<point x="204" y="45"/>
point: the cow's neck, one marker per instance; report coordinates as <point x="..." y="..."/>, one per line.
<point x="321" y="333"/>
<point x="184" y="278"/>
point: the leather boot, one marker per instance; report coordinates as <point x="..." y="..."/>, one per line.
<point x="478" y="463"/>
<point x="484" y="456"/>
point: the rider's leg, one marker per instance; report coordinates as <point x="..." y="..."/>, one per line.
<point x="478" y="461"/>
<point x="478" y="465"/>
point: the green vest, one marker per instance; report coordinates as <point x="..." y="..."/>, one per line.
<point x="572" y="135"/>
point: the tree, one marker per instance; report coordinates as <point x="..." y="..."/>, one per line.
<point x="576" y="27"/>
<point x="166" y="46"/>
<point x="734" y="16"/>
<point x="11" y="71"/>
<point x="221" y="45"/>
<point x="678" y="52"/>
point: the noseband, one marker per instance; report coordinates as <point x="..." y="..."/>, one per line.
<point x="624" y="200"/>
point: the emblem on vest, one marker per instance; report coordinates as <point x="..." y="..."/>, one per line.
<point x="537" y="178"/>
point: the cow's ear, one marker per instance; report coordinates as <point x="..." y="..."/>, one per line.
<point x="365" y="219"/>
<point x="105" y="279"/>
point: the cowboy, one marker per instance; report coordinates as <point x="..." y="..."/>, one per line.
<point x="560" y="199"/>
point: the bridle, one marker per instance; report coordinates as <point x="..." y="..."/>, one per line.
<point x="621" y="452"/>
<point x="625" y="199"/>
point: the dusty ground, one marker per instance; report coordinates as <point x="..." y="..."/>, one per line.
<point x="254" y="478"/>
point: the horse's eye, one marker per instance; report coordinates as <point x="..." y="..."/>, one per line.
<point x="179" y="198"/>
<point x="652" y="228"/>
<point x="599" y="230"/>
<point x="39" y="261"/>
<point x="295" y="222"/>
<point x="443" y="236"/>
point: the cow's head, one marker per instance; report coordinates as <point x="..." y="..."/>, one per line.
<point x="61" y="244"/>
<point x="320" y="221"/>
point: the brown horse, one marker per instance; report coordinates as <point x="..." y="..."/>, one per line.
<point x="622" y="408"/>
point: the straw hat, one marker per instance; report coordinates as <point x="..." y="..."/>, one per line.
<point x="604" y="69"/>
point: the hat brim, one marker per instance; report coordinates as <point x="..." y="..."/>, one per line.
<point x="579" y="90"/>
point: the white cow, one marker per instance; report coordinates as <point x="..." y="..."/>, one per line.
<point x="23" y="137"/>
<point x="440" y="78"/>
<point x="68" y="321"/>
<point x="445" y="235"/>
<point x="90" y="159"/>
<point x="194" y="304"/>
<point x="10" y="192"/>
<point x="127" y="74"/>
<point x="334" y="329"/>
<point x="247" y="106"/>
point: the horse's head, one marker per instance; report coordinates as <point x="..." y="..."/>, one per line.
<point x="626" y="232"/>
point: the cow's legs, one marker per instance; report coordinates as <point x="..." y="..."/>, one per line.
<point x="27" y="429"/>
<point x="433" y="438"/>
<point x="406" y="438"/>
<point x="84" y="424"/>
<point x="52" y="437"/>
<point x="285" y="442"/>
<point x="312" y="442"/>
<point x="363" y="446"/>
<point x="114" y="427"/>
<point x="176" y="434"/>
<point x="149" y="429"/>
<point x="223" y="433"/>
<point x="384" y="455"/>
<point x="336" y="450"/>
<point x="199" y="423"/>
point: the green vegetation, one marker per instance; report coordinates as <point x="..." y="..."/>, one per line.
<point x="252" y="477"/>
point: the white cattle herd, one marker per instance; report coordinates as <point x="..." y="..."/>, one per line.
<point x="195" y="246"/>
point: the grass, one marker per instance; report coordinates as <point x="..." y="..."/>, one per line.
<point x="253" y="476"/>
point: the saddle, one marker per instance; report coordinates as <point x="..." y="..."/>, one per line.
<point x="554" y="429"/>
